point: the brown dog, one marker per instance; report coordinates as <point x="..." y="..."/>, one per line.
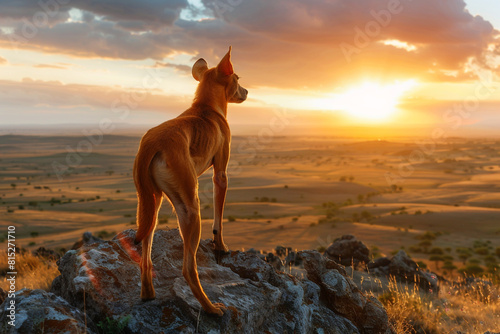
<point x="172" y="156"/>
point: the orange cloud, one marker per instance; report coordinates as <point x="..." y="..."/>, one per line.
<point x="282" y="43"/>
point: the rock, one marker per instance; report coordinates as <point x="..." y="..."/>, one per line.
<point x="380" y="266"/>
<point x="343" y="296"/>
<point x="380" y="262"/>
<point x="282" y="251"/>
<point x="258" y="299"/>
<point x="87" y="238"/>
<point x="38" y="311"/>
<point x="274" y="261"/>
<point x="292" y="259"/>
<point x="252" y="251"/>
<point x="347" y="250"/>
<point x="406" y="270"/>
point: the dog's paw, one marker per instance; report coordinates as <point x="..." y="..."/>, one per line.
<point x="218" y="309"/>
<point x="147" y="299"/>
<point x="220" y="246"/>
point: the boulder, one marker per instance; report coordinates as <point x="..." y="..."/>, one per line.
<point x="87" y="238"/>
<point x="342" y="295"/>
<point x="407" y="270"/>
<point x="274" y="261"/>
<point x="38" y="311"/>
<point x="258" y="298"/>
<point x="282" y="251"/>
<point x="292" y="259"/>
<point x="381" y="262"/>
<point x="347" y="250"/>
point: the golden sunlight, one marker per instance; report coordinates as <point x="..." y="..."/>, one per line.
<point x="369" y="101"/>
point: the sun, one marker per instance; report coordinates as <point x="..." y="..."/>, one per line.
<point x="369" y="101"/>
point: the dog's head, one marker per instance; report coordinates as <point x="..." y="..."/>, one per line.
<point x="223" y="74"/>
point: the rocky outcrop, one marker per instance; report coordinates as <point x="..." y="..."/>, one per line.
<point x="347" y="250"/>
<point x="404" y="269"/>
<point x="342" y="295"/>
<point x="87" y="238"/>
<point x="38" y="311"/>
<point x="104" y="279"/>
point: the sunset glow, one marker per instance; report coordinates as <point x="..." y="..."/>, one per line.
<point x="369" y="101"/>
<point x="329" y="64"/>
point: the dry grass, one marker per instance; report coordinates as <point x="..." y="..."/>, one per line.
<point x="32" y="272"/>
<point x="473" y="310"/>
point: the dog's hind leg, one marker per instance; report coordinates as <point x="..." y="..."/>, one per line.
<point x="180" y="184"/>
<point x="190" y="225"/>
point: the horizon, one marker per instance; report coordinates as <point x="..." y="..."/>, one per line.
<point x="391" y="68"/>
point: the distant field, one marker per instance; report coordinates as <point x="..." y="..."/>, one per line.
<point x="297" y="192"/>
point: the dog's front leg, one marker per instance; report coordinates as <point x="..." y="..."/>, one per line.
<point x="220" y="188"/>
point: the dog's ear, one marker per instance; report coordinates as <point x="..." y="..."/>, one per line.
<point x="225" y="66"/>
<point x="199" y="68"/>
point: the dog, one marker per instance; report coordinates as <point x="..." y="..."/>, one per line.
<point x="170" y="159"/>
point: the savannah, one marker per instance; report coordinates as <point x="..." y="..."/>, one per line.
<point x="441" y="207"/>
<point x="364" y="168"/>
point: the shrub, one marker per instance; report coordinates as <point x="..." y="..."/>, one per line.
<point x="472" y="270"/>
<point x="105" y="234"/>
<point x="436" y="250"/>
<point x="482" y="250"/>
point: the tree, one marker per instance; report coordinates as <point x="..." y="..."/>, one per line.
<point x="436" y="258"/>
<point x="366" y="215"/>
<point x="463" y="254"/>
<point x="425" y="244"/>
<point x="436" y="250"/>
<point x="449" y="266"/>
<point x="472" y="270"/>
<point x="361" y="198"/>
<point x="427" y="236"/>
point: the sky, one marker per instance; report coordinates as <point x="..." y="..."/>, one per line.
<point x="325" y="67"/>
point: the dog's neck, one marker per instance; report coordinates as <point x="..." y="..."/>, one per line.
<point x="212" y="97"/>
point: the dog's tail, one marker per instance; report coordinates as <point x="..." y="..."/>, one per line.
<point x="147" y="195"/>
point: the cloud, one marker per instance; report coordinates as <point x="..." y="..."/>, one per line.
<point x="3" y="61"/>
<point x="52" y="66"/>
<point x="135" y="15"/>
<point x="280" y="43"/>
<point x="179" y="67"/>
<point x="43" y="12"/>
<point x="31" y="94"/>
<point x="130" y="14"/>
